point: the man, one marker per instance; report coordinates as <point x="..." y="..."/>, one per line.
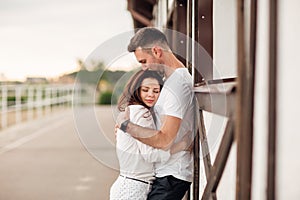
<point x="174" y="113"/>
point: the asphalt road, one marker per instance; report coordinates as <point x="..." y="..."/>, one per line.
<point x="47" y="158"/>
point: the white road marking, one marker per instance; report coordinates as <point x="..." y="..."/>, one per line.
<point x="82" y="188"/>
<point x="86" y="179"/>
<point x="30" y="137"/>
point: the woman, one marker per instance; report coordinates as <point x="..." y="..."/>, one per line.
<point x="135" y="158"/>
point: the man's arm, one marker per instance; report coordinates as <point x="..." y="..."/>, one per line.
<point x="161" y="139"/>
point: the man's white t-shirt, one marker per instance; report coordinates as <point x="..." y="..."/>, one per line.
<point x="177" y="99"/>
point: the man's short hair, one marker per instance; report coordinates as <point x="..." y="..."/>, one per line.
<point x="147" y="37"/>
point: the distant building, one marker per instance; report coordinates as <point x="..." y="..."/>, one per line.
<point x="66" y="79"/>
<point x="36" y="80"/>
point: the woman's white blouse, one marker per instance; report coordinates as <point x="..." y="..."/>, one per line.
<point x="137" y="159"/>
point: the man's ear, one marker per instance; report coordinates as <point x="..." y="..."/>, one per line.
<point x="156" y="51"/>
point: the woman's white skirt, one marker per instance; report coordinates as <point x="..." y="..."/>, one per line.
<point x="127" y="189"/>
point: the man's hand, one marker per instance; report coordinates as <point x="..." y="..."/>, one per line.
<point x="188" y="141"/>
<point x="185" y="144"/>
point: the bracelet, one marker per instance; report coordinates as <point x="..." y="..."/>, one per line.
<point x="124" y="125"/>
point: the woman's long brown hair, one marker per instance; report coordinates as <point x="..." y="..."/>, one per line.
<point x="131" y="93"/>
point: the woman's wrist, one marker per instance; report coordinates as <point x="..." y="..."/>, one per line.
<point x="124" y="125"/>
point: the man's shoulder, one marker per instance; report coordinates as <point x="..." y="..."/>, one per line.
<point x="180" y="76"/>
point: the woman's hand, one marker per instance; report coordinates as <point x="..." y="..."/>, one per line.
<point x="122" y="117"/>
<point x="185" y="144"/>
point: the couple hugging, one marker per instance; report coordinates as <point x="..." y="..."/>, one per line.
<point x="155" y="129"/>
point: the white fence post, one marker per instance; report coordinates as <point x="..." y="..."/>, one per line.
<point x="51" y="97"/>
<point x="47" y="101"/>
<point x="18" y="104"/>
<point x="30" y="94"/>
<point x="4" y="106"/>
<point x="38" y="102"/>
<point x="61" y="96"/>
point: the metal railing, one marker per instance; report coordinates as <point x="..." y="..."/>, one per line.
<point x="24" y="102"/>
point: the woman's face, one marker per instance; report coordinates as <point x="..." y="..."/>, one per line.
<point x="149" y="92"/>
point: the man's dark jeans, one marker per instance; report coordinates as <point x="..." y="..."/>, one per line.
<point x="168" y="188"/>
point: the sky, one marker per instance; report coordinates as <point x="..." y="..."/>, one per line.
<point x="42" y="38"/>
